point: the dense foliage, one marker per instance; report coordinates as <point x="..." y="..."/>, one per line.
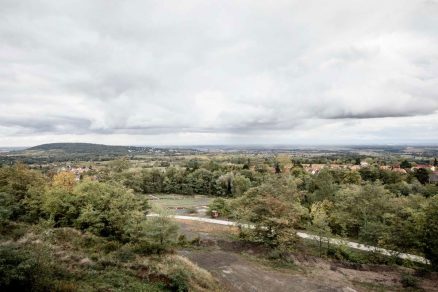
<point x="273" y="195"/>
<point x="107" y="211"/>
<point x="373" y="205"/>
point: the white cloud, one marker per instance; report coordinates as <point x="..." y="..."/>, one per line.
<point x="195" y="72"/>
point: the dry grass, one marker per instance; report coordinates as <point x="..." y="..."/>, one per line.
<point x="93" y="263"/>
<point x="196" y="226"/>
<point x="198" y="278"/>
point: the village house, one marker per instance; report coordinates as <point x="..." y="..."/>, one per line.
<point x="399" y="170"/>
<point x="78" y="171"/>
<point x="355" y="167"/>
<point x="394" y="168"/>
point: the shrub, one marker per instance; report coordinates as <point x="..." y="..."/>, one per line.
<point x="125" y="254"/>
<point x="23" y="269"/>
<point x="104" y="209"/>
<point x="409" y="281"/>
<point x="182" y="240"/>
<point x="179" y="281"/>
<point x="221" y="206"/>
<point x="155" y="235"/>
<point x="344" y="254"/>
<point x="275" y="254"/>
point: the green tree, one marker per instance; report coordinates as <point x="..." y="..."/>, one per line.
<point x="201" y="181"/>
<point x="247" y="165"/>
<point x="119" y="165"/>
<point x="404" y="223"/>
<point x="240" y="185"/>
<point x="152" y="181"/>
<point x="422" y="175"/>
<point x="26" y="269"/>
<point x="405" y="164"/>
<point x="155" y="235"/>
<point x="430" y="237"/>
<point x="351" y="177"/>
<point x="6" y="208"/>
<point x="108" y="208"/>
<point x="359" y="211"/>
<point x="221" y="206"/>
<point x="275" y="211"/>
<point x="105" y="209"/>
<point x="277" y="168"/>
<point x="61" y="206"/>
<point x="325" y="186"/>
<point x="226" y="183"/>
<point x="320" y="220"/>
<point x="369" y="173"/>
<point x="24" y="189"/>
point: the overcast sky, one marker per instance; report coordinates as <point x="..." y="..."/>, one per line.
<point x="218" y="72"/>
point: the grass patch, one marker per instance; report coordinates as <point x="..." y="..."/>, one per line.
<point x="274" y="260"/>
<point x="173" y="202"/>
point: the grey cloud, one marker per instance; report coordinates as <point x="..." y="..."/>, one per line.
<point x="243" y="69"/>
<point x="32" y="125"/>
<point x="374" y="115"/>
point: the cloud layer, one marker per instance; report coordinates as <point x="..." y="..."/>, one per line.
<point x="195" y="72"/>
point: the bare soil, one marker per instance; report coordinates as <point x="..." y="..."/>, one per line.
<point x="240" y="266"/>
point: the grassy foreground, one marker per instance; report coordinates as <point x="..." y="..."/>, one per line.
<point x="65" y="259"/>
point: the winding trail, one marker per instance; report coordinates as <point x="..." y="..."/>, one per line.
<point x="305" y="235"/>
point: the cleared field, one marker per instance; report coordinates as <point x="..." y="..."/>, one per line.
<point x="180" y="204"/>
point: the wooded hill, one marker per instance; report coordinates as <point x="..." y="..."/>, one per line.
<point x="53" y="152"/>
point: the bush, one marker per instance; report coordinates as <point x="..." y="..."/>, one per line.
<point x="23" y="269"/>
<point x="179" y="281"/>
<point x="344" y="254"/>
<point x="125" y="254"/>
<point x="409" y="281"/>
<point x="182" y="240"/>
<point x="156" y="235"/>
<point x="430" y="236"/>
<point x="221" y="206"/>
<point x="105" y="209"/>
<point x="275" y="254"/>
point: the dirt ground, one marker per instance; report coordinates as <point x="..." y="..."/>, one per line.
<point x="237" y="268"/>
<point x="236" y="273"/>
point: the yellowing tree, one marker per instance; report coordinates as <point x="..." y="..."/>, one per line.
<point x="320" y="220"/>
<point x="274" y="209"/>
<point x="64" y="179"/>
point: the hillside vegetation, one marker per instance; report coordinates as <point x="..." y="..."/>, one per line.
<point x="82" y="225"/>
<point x="57" y="234"/>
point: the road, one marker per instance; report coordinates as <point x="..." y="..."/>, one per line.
<point x="305" y="235"/>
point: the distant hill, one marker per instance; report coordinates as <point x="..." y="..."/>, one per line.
<point x="89" y="148"/>
<point x="58" y="152"/>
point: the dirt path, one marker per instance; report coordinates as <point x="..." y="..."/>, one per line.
<point x="238" y="266"/>
<point x="305" y="235"/>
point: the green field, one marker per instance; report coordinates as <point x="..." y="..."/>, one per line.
<point x="180" y="204"/>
